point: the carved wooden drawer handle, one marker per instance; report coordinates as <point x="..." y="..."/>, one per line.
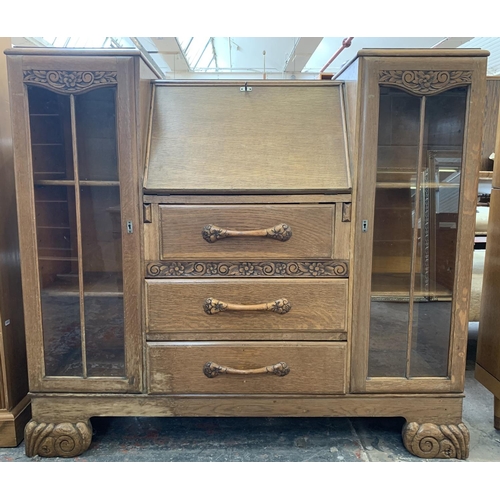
<point x="212" y="369"/>
<point x="214" y="306"/>
<point x="281" y="232"/>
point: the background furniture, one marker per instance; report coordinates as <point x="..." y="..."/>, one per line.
<point x="488" y="347"/>
<point x="14" y="403"/>
<point x="268" y="248"/>
<point x="484" y="192"/>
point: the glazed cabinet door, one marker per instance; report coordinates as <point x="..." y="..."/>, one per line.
<point x="415" y="224"/>
<point x="78" y="196"/>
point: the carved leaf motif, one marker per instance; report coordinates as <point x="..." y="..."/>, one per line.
<point x="424" y="82"/>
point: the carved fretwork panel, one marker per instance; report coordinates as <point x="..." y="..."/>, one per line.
<point x="69" y="82"/>
<point x="424" y="82"/>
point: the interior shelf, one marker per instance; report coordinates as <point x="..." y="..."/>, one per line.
<point x="55" y="182"/>
<point x="397" y="287"/>
<point x="486" y="174"/>
<point x="412" y="185"/>
<point x="95" y="285"/>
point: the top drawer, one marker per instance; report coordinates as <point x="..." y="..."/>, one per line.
<point x="269" y="231"/>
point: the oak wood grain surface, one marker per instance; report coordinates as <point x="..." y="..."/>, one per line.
<point x="177" y="305"/>
<point x="312" y="226"/>
<point x="275" y="138"/>
<point x="415" y="408"/>
<point x="315" y="368"/>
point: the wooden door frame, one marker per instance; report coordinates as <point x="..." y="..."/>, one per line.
<point x="367" y="140"/>
<point x="123" y="69"/>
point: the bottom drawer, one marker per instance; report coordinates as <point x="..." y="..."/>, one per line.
<point x="246" y="367"/>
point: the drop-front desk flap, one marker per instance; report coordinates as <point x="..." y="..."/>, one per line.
<point x="274" y="137"/>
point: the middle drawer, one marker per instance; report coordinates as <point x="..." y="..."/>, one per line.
<point x="298" y="305"/>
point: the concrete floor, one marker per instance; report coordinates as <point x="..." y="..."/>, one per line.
<point x="276" y="439"/>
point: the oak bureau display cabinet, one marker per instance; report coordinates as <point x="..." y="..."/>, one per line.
<point x="263" y="248"/>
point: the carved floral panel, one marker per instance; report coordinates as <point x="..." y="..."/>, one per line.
<point x="167" y="269"/>
<point x="69" y="81"/>
<point x="425" y="82"/>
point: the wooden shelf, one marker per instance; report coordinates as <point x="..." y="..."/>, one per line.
<point x="56" y="258"/>
<point x="412" y="185"/>
<point x="397" y="287"/>
<point x="54" y="182"/>
<point x="51" y="201"/>
<point x="486" y="174"/>
<point x="48" y="182"/>
<point x="95" y="285"/>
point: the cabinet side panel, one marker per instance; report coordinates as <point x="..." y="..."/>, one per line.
<point x="145" y="89"/>
<point x="11" y="310"/>
<point x="350" y="78"/>
<point x="466" y="225"/>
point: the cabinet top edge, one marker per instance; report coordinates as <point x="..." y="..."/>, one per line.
<point x="56" y="51"/>
<point x="232" y="83"/>
<point x="412" y="53"/>
<point x="423" y="53"/>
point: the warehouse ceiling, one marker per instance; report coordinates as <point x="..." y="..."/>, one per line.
<point x="262" y="57"/>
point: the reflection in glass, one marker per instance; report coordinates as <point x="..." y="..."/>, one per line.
<point x="415" y="232"/>
<point x="74" y="313"/>
<point x="103" y="280"/>
<point x="392" y="232"/>
<point x="50" y="134"/>
<point x="96" y="135"/>
<point x="58" y="268"/>
<point x="438" y="232"/>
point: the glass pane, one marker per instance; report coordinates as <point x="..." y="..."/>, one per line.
<point x="58" y="266"/>
<point x="96" y="135"/>
<point x="438" y="230"/>
<point x="103" y="280"/>
<point x="50" y="127"/>
<point x="398" y="140"/>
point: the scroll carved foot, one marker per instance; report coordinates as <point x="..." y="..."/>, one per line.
<point x="436" y="441"/>
<point x="57" y="440"/>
